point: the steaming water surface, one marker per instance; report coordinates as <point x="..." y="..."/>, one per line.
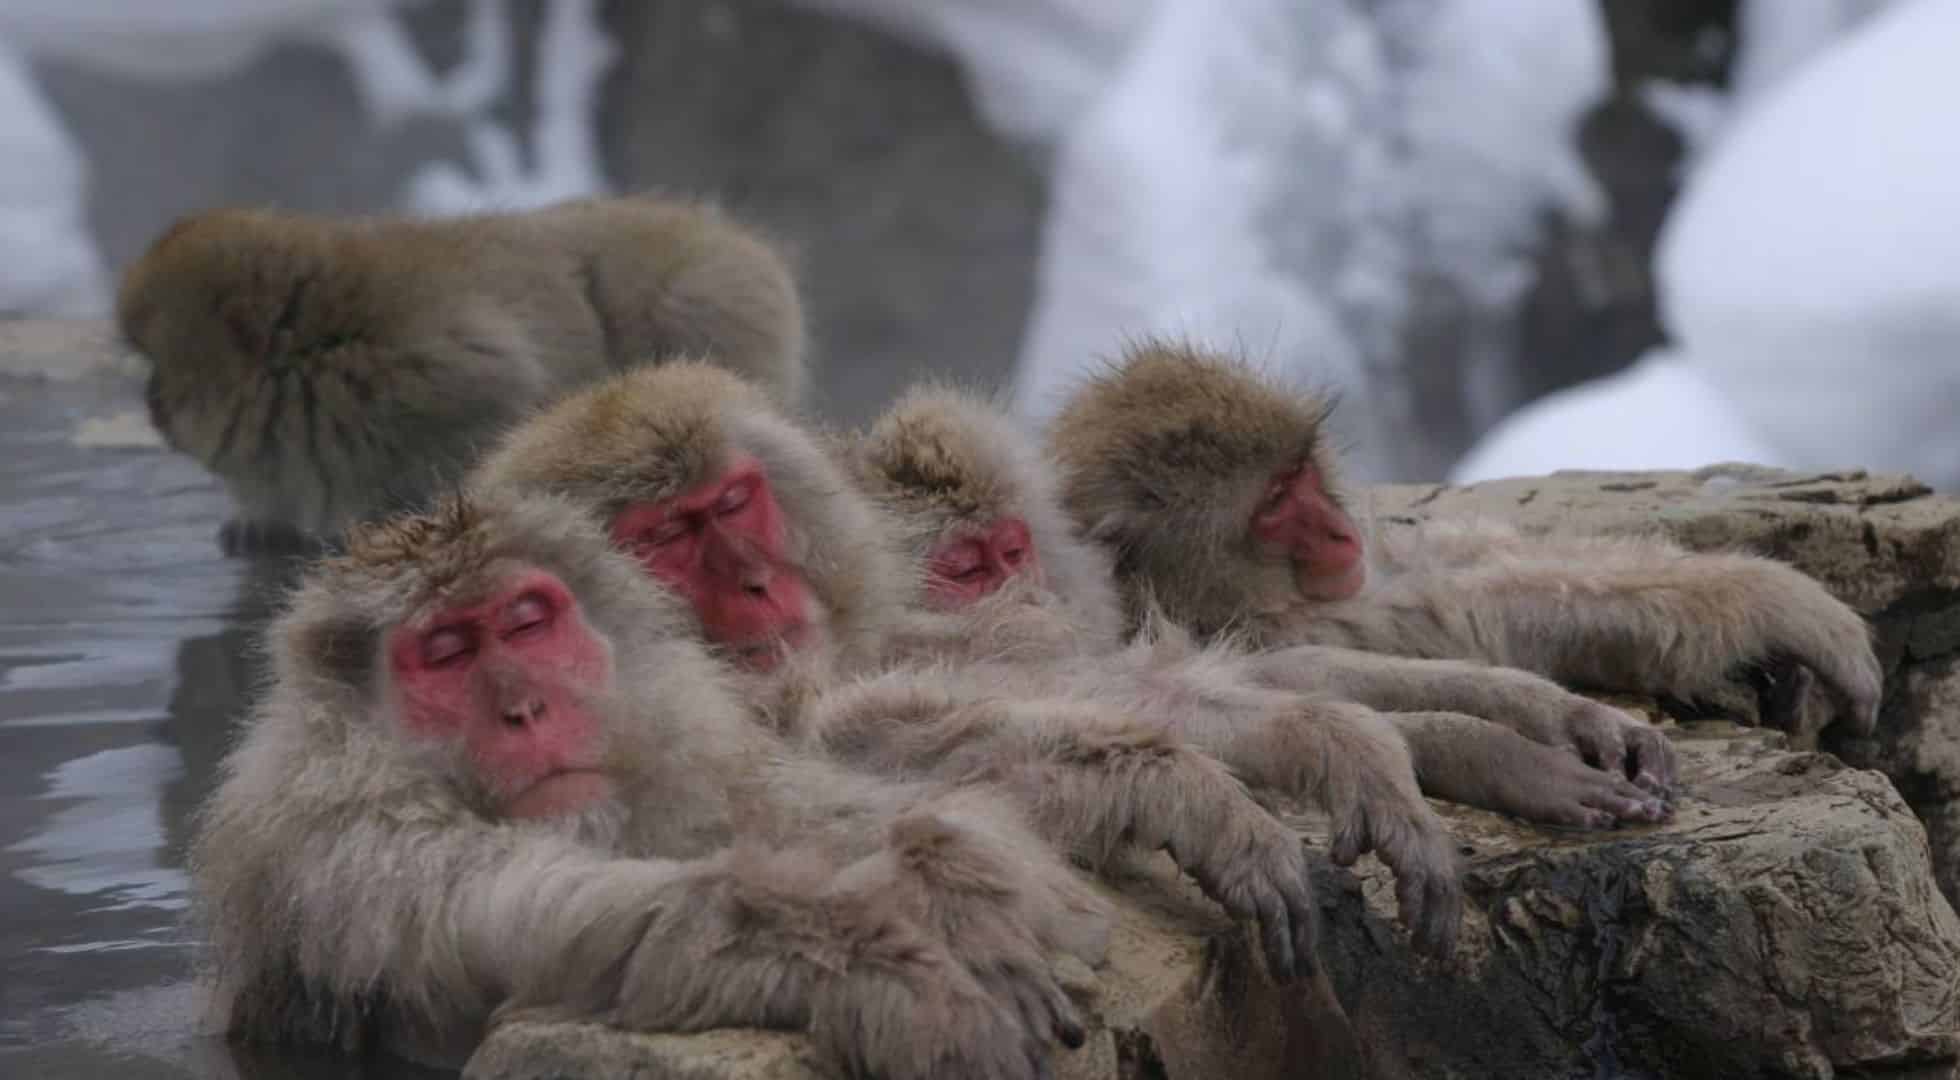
<point x="123" y="662"/>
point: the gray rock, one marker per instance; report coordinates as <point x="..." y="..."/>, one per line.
<point x="1786" y="923"/>
<point x="1884" y="544"/>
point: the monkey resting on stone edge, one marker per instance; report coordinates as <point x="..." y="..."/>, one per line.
<point x="1216" y="495"/>
<point x="979" y="511"/>
<point x="495" y="777"/>
<point x="330" y="371"/>
<point x="793" y="581"/>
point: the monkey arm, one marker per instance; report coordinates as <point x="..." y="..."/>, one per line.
<point x="1478" y="763"/>
<point x="1636" y="615"/>
<point x="1531" y="705"/>
<point x="459" y="924"/>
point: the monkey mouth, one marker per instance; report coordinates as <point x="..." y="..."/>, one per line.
<point x="559" y="793"/>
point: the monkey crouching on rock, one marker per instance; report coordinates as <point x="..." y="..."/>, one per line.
<point x="332" y="371"/>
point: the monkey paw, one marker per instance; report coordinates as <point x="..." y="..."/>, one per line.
<point x="1266" y="881"/>
<point x="1796" y="624"/>
<point x="1405" y="834"/>
<point x="1621" y="745"/>
<point x="1552" y="787"/>
<point x="927" y="1016"/>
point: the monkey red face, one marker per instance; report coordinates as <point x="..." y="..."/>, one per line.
<point x="724" y="547"/>
<point x="508" y="678"/>
<point x="1298" y="516"/>
<point x="974" y="564"/>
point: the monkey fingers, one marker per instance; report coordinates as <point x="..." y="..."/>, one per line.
<point x="1622" y="745"/>
<point x="1266" y="881"/>
<point x="979" y="896"/>
<point x="1096" y="786"/>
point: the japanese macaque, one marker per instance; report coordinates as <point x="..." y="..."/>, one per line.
<point x="495" y="776"/>
<point x="977" y="509"/>
<point x="1217" y="496"/>
<point x="329" y="371"/>
<point x="793" y="580"/>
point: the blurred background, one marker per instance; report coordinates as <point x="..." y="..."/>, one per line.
<point x="1707" y="229"/>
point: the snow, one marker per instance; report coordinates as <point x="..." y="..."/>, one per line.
<point x="1812" y="268"/>
<point x="173" y="39"/>
<point x="50" y="266"/>
<point x="1661" y="413"/>
<point x="573" y="56"/>
<point x="1273" y="177"/>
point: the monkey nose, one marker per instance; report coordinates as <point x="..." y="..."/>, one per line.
<point x="523" y="714"/>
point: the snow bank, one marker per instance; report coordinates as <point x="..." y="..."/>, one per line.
<point x="1813" y="266"/>
<point x="1661" y="413"/>
<point x="50" y="265"/>
<point x="165" y="38"/>
<point x="1273" y="176"/>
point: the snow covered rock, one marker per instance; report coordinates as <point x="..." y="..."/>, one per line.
<point x="1303" y="182"/>
<point x="1812" y="269"/>
<point x="1661" y="413"/>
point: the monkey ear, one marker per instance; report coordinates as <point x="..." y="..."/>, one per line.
<point x="338" y="649"/>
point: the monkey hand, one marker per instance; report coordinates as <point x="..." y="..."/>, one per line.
<point x="1413" y="844"/>
<point x="1375" y="805"/>
<point x="1619" y="745"/>
<point x="1792" y="626"/>
<point x="1002" y="922"/>
<point x="774" y="941"/>
<point x="1258" y="872"/>
<point x="1550" y="786"/>
<point x="907" y="1009"/>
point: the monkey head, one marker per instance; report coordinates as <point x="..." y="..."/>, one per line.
<point x="720" y="497"/>
<point x="975" y="507"/>
<point x="507" y="649"/>
<point x="1213" y="486"/>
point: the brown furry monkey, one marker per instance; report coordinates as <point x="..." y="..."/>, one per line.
<point x="792" y="578"/>
<point x="1217" y="496"/>
<point x="329" y="371"/>
<point x="494" y="776"/>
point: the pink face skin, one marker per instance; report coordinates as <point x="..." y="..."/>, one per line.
<point x="975" y="564"/>
<point x="508" y="678"/>
<point x="723" y="547"/>
<point x="1297" y="516"/>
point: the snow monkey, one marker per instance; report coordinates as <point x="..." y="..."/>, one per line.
<point x="1217" y="496"/>
<point x="329" y="371"/>
<point x="494" y="775"/>
<point x="792" y="579"/>
<point x="977" y="508"/>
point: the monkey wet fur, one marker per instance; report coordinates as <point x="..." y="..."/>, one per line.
<point x="330" y="371"/>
